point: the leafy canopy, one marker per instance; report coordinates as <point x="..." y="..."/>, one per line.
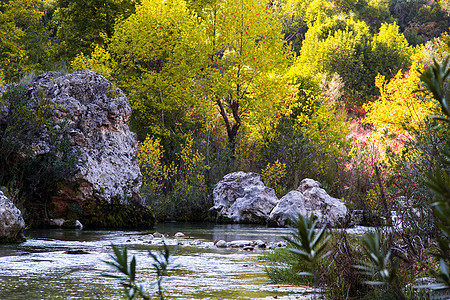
<point x="23" y="39"/>
<point x="246" y="59"/>
<point x="83" y="24"/>
<point x="345" y="46"/>
<point x="157" y="52"/>
<point x="399" y="111"/>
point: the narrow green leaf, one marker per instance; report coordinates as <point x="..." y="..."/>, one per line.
<point x="133" y="269"/>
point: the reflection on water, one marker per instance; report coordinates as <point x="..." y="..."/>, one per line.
<point x="40" y="268"/>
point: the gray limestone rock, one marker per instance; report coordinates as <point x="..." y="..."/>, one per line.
<point x="97" y="114"/>
<point x="221" y="244"/>
<point x="240" y="243"/>
<point x="290" y="206"/>
<point x="310" y="199"/>
<point x="243" y="198"/>
<point x="307" y="184"/>
<point x="329" y="210"/>
<point x="93" y="114"/>
<point x="157" y="235"/>
<point x="78" y="225"/>
<point x="11" y="220"/>
<point x="56" y="223"/>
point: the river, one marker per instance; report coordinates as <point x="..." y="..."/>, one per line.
<point x="40" y="268"/>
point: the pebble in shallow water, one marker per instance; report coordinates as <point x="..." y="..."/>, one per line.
<point x="157" y="235"/>
<point x="249" y="245"/>
<point x="221" y="244"/>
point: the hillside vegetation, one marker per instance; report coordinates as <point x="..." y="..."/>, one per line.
<point x="290" y="89"/>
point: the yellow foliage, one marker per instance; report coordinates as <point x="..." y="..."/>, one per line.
<point x="274" y="174"/>
<point x="399" y="110"/>
<point x="159" y="177"/>
<point x="149" y="159"/>
<point x="2" y="78"/>
<point x="326" y="129"/>
<point x="191" y="165"/>
<point x="372" y="199"/>
<point x="99" y="61"/>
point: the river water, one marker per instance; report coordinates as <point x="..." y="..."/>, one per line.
<point x="40" y="268"/>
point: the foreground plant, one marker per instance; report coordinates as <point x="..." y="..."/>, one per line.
<point x="308" y="245"/>
<point x="161" y="261"/>
<point x="380" y="267"/>
<point x="436" y="80"/>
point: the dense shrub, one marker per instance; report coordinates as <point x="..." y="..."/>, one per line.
<point x="273" y="175"/>
<point x="176" y="191"/>
<point x="310" y="143"/>
<point x="32" y="174"/>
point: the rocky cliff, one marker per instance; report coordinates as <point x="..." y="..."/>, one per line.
<point x="92" y="114"/>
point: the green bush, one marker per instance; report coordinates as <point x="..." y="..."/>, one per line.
<point x="436" y="79"/>
<point x="336" y="275"/>
<point x="32" y="176"/>
<point x="310" y="143"/>
<point x="273" y="176"/>
<point x="176" y="190"/>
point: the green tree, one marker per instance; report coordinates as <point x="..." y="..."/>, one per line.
<point x="405" y="11"/>
<point x="23" y="39"/>
<point x="374" y="12"/>
<point x="246" y="59"/>
<point x="339" y="46"/>
<point x="319" y="10"/>
<point x="83" y="24"/>
<point x="390" y="51"/>
<point x="347" y="48"/>
<point x="420" y="20"/>
<point x="291" y="14"/>
<point x="299" y="15"/>
<point x="198" y="6"/>
<point x="157" y="52"/>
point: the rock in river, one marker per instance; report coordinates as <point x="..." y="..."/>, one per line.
<point x="310" y="199"/>
<point x="221" y="244"/>
<point x="11" y="221"/>
<point x="243" y="198"/>
<point x="92" y="114"/>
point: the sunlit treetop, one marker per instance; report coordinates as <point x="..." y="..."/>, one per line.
<point x="399" y="110"/>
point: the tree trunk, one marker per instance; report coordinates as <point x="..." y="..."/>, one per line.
<point x="232" y="129"/>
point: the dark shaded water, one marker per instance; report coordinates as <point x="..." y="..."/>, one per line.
<point x="40" y="268"/>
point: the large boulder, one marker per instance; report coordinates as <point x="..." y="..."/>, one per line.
<point x="243" y="198"/>
<point x="93" y="114"/>
<point x="310" y="199"/>
<point x="11" y="221"/>
<point x="290" y="206"/>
